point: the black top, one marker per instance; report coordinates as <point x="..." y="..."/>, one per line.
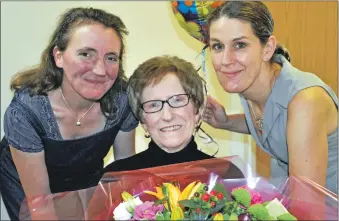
<point x="155" y="156"/>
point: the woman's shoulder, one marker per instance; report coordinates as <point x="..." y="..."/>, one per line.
<point x="28" y="98"/>
<point x="292" y="80"/>
<point x="24" y="104"/>
<point x="21" y="122"/>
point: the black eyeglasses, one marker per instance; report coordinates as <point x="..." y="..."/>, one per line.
<point x="176" y="101"/>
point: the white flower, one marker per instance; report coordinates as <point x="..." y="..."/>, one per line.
<point x="124" y="211"/>
<point x="121" y="213"/>
<point x="131" y="204"/>
<point x="137" y="201"/>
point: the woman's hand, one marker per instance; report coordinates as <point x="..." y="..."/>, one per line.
<point x="215" y="114"/>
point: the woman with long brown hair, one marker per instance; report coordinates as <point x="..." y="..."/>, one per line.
<point x="67" y="112"/>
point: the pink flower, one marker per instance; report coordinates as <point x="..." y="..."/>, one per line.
<point x="147" y="211"/>
<point x="255" y="196"/>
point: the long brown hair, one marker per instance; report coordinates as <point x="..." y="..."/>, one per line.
<point x="46" y="76"/>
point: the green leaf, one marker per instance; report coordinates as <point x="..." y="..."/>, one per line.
<point x="158" y="202"/>
<point x="214" y="198"/>
<point x="233" y="216"/>
<point x="220" y="188"/>
<point x="206" y="206"/>
<point x="286" y="216"/>
<point x="189" y="203"/>
<point x="164" y="190"/>
<point x="219" y="206"/>
<point x="226" y="217"/>
<point x="167" y="215"/>
<point x="240" y="210"/>
<point x="228" y="207"/>
<point x="159" y="216"/>
<point x="266" y="203"/>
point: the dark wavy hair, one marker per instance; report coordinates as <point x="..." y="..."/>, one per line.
<point x="46" y="76"/>
<point x="254" y="12"/>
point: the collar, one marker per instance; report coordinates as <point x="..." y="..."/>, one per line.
<point x="283" y="83"/>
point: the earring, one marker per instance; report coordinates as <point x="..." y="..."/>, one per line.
<point x="147" y="134"/>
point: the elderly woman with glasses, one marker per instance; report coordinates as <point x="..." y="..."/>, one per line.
<point x="166" y="94"/>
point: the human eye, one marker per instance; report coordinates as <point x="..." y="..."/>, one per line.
<point x="178" y="100"/>
<point x="152" y="106"/>
<point x="240" y="45"/>
<point x="86" y="54"/>
<point x="217" y="46"/>
<point x="113" y="58"/>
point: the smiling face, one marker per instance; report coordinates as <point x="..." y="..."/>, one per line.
<point x="171" y="128"/>
<point x="237" y="54"/>
<point x="90" y="61"/>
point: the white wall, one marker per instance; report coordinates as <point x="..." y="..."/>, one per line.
<point x="27" y="26"/>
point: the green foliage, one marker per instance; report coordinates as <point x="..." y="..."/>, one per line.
<point x="226" y="217"/>
<point x="271" y="218"/>
<point x="220" y="188"/>
<point x="233" y="216"/>
<point x="167" y="215"/>
<point x="258" y="211"/>
<point x="159" y="202"/>
<point x="286" y="216"/>
<point x="242" y="196"/>
<point x="220" y="204"/>
<point x="266" y="203"/>
<point x="193" y="204"/>
<point x="159" y="216"/>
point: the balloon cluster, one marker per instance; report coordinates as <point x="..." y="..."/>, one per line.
<point x="192" y="15"/>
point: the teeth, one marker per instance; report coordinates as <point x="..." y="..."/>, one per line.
<point x="172" y="128"/>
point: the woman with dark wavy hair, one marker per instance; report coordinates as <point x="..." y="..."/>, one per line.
<point x="68" y="111"/>
<point x="291" y="114"/>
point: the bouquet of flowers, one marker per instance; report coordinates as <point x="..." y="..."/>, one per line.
<point x="201" y="190"/>
<point x="198" y="201"/>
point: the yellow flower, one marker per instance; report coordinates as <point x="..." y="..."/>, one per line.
<point x="177" y="213"/>
<point x="173" y="194"/>
<point x="218" y="217"/>
<point x="159" y="194"/>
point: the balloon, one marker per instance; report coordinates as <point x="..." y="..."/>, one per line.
<point x="191" y="16"/>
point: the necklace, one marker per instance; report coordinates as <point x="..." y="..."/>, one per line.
<point x="78" y="123"/>
<point x="259" y="122"/>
